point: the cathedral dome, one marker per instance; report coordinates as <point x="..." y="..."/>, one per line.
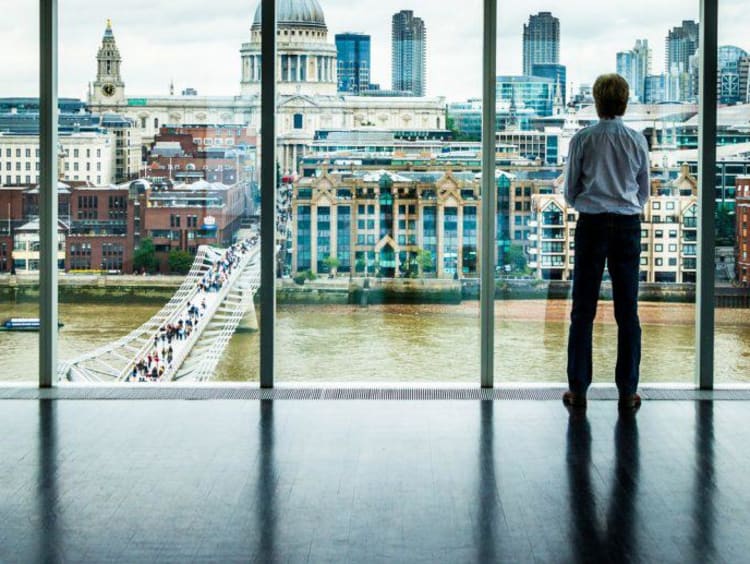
<point x="295" y="13"/>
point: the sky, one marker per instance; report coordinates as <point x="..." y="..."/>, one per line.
<point x="196" y="43"/>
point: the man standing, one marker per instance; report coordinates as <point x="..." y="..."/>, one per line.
<point x="607" y="182"/>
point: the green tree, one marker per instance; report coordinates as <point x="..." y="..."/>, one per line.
<point x="425" y="260"/>
<point x="179" y="261"/>
<point x="725" y="226"/>
<point x="331" y="263"/>
<point x="515" y="257"/>
<point x="144" y="257"/>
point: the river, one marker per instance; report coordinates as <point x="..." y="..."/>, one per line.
<point x="410" y="343"/>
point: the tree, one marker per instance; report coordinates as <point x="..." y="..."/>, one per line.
<point x="515" y="257"/>
<point x="144" y="257"/>
<point x="725" y="226"/>
<point x="179" y="261"/>
<point x="331" y="263"/>
<point x="425" y="260"/>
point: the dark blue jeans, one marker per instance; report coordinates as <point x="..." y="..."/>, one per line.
<point x="616" y="240"/>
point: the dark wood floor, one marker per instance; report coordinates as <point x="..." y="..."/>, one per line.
<point x="373" y="481"/>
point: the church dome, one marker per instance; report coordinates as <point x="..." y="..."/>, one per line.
<point x="295" y="13"/>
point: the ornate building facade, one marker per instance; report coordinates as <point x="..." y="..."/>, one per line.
<point x="307" y="98"/>
<point x="382" y="223"/>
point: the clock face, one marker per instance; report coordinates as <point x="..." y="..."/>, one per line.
<point x="108" y="89"/>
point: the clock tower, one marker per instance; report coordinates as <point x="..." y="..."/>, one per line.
<point x="108" y="90"/>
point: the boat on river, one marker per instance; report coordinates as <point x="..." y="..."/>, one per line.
<point x="22" y="324"/>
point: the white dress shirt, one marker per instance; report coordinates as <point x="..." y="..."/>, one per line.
<point x="607" y="169"/>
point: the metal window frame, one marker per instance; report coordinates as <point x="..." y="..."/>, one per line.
<point x="48" y="140"/>
<point x="489" y="197"/>
<point x="705" y="288"/>
<point x="268" y="195"/>
<point x="48" y="51"/>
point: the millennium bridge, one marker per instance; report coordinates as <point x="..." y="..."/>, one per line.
<point x="195" y="325"/>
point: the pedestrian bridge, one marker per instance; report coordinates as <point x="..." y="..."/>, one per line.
<point x="194" y="356"/>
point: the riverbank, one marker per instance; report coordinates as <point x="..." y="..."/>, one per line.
<point x="343" y="291"/>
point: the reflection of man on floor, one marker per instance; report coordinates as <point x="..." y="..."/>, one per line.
<point x="606" y="181"/>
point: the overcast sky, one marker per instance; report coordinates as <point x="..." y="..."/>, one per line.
<point x="196" y="43"/>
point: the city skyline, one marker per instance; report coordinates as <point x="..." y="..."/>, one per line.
<point x="456" y="42"/>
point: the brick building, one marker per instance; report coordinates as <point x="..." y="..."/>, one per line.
<point x="743" y="230"/>
<point x="184" y="216"/>
<point x="101" y="226"/>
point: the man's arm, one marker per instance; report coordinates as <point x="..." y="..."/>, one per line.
<point x="572" y="173"/>
<point x="644" y="188"/>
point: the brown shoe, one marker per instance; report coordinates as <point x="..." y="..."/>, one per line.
<point x="573" y="399"/>
<point x="630" y="402"/>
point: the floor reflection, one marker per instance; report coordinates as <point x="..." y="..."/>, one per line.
<point x="48" y="514"/>
<point x="704" y="483"/>
<point x="616" y="539"/>
<point x="488" y="493"/>
<point x="266" y="511"/>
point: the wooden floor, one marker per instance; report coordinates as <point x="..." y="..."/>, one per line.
<point x="373" y="481"/>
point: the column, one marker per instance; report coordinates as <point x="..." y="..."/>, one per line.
<point x="439" y="259"/>
<point x="314" y="238"/>
<point x="299" y="68"/>
<point x="460" y="239"/>
<point x="334" y="215"/>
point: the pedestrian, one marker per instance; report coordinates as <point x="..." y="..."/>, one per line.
<point x="607" y="182"/>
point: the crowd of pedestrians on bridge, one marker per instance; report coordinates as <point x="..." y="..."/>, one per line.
<point x="160" y="358"/>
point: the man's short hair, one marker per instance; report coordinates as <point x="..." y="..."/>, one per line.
<point x="611" y="93"/>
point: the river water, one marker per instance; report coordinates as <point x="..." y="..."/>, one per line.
<point x="410" y="343"/>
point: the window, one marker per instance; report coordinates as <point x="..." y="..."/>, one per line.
<point x="298" y="121"/>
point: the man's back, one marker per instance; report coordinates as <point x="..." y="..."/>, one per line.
<point x="607" y="169"/>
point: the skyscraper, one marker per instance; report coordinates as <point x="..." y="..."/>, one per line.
<point x="680" y="62"/>
<point x="681" y="44"/>
<point x="353" y="61"/>
<point x="729" y="74"/>
<point x="635" y="66"/>
<point x="541" y="41"/>
<point x="408" y="53"/>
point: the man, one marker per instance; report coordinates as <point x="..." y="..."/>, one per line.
<point x="607" y="182"/>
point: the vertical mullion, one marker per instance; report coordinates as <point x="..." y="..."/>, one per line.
<point x="705" y="298"/>
<point x="489" y="195"/>
<point x="48" y="193"/>
<point x="268" y="194"/>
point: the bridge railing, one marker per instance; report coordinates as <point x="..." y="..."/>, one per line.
<point x="246" y="285"/>
<point x="134" y="345"/>
<point x="198" y="330"/>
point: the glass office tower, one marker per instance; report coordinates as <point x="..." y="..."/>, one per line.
<point x="353" y="62"/>
<point x="541" y="41"/>
<point x="408" y="53"/>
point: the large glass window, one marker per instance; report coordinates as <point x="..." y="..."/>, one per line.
<point x="382" y="279"/>
<point x="19" y="196"/>
<point x="732" y="259"/>
<point x="379" y="206"/>
<point x="548" y="67"/>
<point x="159" y="198"/>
